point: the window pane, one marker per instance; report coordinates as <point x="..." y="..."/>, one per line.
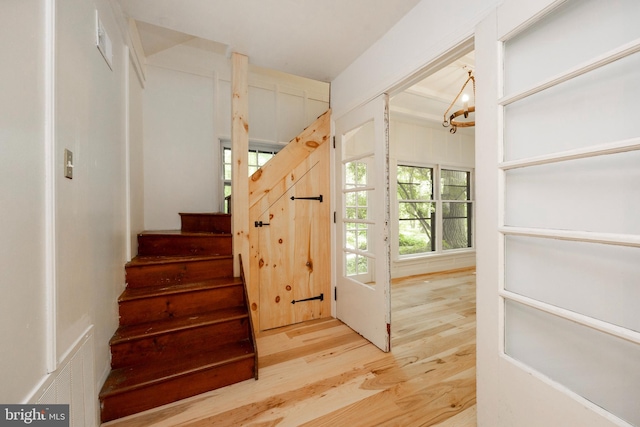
<point x="416" y="214"/>
<point x="456" y="225"/>
<point x="564" y="273"/>
<point x="598" y="194"/>
<point x="351" y="264"/>
<point x="356" y="236"/>
<point x="454" y="185"/>
<point x="253" y="158"/>
<point x="355" y="174"/>
<point x="415" y="183"/>
<point x="415" y="237"/>
<point x="415" y="210"/>
<point x="359" y="141"/>
<point x="602" y="368"/>
<point x="357" y="265"/>
<point x="264" y="157"/>
<point x="356" y="205"/>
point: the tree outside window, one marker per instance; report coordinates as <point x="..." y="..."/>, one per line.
<point x="425" y="210"/>
<point x="456" y="209"/>
<point x="416" y="210"/>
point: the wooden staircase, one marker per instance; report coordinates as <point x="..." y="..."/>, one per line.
<point x="185" y="327"/>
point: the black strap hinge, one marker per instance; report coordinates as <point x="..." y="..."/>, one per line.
<point x="318" y="198"/>
<point x="320" y="297"/>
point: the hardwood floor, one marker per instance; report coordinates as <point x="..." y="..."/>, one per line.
<point x="321" y="373"/>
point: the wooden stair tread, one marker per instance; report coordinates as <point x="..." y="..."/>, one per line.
<point x="185" y="325"/>
<point x="145" y="330"/>
<point x="179" y="233"/>
<point x="131" y="294"/>
<point x="160" y="259"/>
<point x="139" y="376"/>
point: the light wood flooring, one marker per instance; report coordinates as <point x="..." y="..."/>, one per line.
<point x="321" y="373"/>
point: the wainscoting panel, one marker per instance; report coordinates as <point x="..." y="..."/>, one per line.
<point x="73" y="383"/>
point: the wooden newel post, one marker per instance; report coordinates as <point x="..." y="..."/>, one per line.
<point x="240" y="157"/>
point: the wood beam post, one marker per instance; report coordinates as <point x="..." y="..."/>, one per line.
<point x="240" y="157"/>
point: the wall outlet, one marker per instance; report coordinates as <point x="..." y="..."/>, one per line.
<point x="68" y="164"/>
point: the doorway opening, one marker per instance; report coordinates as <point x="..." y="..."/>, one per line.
<point x="432" y="201"/>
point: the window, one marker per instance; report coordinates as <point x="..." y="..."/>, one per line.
<point x="455" y="193"/>
<point x="433" y="219"/>
<point x="258" y="156"/>
<point x="416" y="210"/>
<point x="356" y="213"/>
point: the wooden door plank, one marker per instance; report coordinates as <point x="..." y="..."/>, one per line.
<point x="297" y="235"/>
<point x="289" y="157"/>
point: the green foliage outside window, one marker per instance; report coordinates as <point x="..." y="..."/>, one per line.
<point x="415" y="210"/>
<point x="420" y="206"/>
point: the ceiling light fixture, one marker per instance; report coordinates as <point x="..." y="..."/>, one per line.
<point x="466" y="109"/>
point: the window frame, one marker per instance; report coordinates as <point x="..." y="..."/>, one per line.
<point x="254" y="146"/>
<point x="438" y="201"/>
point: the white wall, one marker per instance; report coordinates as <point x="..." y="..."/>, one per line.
<point x="422" y="142"/>
<point x="88" y="246"/>
<point x="427" y="32"/>
<point x="187" y="111"/>
<point x="90" y="208"/>
<point x="136" y="158"/>
<point x="179" y="149"/>
<point x="22" y="221"/>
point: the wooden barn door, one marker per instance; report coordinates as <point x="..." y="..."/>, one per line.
<point x="291" y="232"/>
<point x="292" y="246"/>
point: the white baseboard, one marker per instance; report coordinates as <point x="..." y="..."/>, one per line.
<point x="432" y="264"/>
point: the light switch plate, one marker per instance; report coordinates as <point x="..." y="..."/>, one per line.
<point x="68" y="164"/>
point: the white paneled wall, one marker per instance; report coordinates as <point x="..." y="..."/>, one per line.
<point x="187" y="111"/>
<point x="424" y="143"/>
<point x="430" y="143"/>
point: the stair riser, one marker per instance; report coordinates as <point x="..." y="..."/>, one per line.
<point x="178" y="272"/>
<point x="127" y="403"/>
<point x="168" y="245"/>
<point x="206" y="223"/>
<point x="179" y="305"/>
<point x="184" y="343"/>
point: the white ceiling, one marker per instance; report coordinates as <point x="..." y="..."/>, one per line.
<point x="430" y="98"/>
<point x="310" y="38"/>
<point x="316" y="39"/>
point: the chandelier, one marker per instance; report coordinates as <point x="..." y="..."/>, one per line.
<point x="453" y="121"/>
